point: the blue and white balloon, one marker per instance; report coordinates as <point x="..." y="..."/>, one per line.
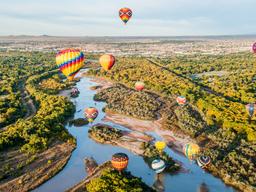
<point x="158" y="165"/>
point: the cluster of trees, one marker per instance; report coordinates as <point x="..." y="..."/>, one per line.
<point x="111" y="180"/>
<point x="129" y="102"/>
<point x="15" y="68"/>
<point x="234" y="74"/>
<point x="36" y="133"/>
<point x="104" y="133"/>
<point x="223" y="120"/>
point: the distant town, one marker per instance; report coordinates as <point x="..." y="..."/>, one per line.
<point x="128" y="46"/>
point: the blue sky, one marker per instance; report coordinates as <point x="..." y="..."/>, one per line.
<point x="150" y="17"/>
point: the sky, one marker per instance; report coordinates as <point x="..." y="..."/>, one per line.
<point x="150" y="17"/>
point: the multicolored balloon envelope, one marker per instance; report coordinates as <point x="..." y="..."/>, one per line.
<point x="191" y="150"/>
<point x="181" y="100"/>
<point x="125" y="14"/>
<point x="254" y="48"/>
<point x="107" y="61"/>
<point x="158" y="165"/>
<point x="91" y="113"/>
<point x="139" y="86"/>
<point x="70" y="61"/>
<point x="160" y="145"/>
<point x="120" y="161"/>
<point x="203" y="161"/>
<point x="251" y="109"/>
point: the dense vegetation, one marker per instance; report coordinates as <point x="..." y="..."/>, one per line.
<point x="15" y="68"/>
<point x="112" y="181"/>
<point x="222" y="119"/>
<point x="103" y="133"/>
<point x="129" y="102"/>
<point x="36" y="133"/>
<point x="151" y="153"/>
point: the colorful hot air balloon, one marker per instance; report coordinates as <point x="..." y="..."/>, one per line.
<point x="203" y="161"/>
<point x="251" y="109"/>
<point x="107" y="61"/>
<point x="181" y="100"/>
<point x="139" y="86"/>
<point x="91" y="113"/>
<point x="254" y="48"/>
<point x="191" y="150"/>
<point x="158" y="165"/>
<point x="160" y="145"/>
<point x="70" y="61"/>
<point x="125" y="14"/>
<point x="120" y="161"/>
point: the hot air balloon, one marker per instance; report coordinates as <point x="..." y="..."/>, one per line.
<point x="120" y="161"/>
<point x="181" y="100"/>
<point x="107" y="61"/>
<point x="91" y="113"/>
<point x="139" y="86"/>
<point x="191" y="150"/>
<point x="160" y="145"/>
<point x="70" y="61"/>
<point x="203" y="161"/>
<point x="158" y="165"/>
<point x="254" y="48"/>
<point x="251" y="109"/>
<point x="125" y="14"/>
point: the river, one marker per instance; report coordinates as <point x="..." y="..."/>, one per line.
<point x="74" y="171"/>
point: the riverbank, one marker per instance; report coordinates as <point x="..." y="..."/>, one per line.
<point x="43" y="166"/>
<point x="176" y="137"/>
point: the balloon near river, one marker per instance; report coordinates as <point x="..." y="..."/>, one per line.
<point x="158" y="165"/>
<point x="69" y="62"/>
<point x="120" y="161"/>
<point x="160" y="146"/>
<point x="191" y="150"/>
<point x="91" y="113"/>
<point x="107" y="61"/>
<point x="125" y="14"/>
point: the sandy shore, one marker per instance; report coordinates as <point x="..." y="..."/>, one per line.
<point x="174" y="140"/>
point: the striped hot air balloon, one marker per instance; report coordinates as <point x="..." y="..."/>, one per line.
<point x="254" y="48"/>
<point x="158" y="165"/>
<point x="125" y="14"/>
<point x="181" y="100"/>
<point x="120" y="161"/>
<point x="70" y="61"/>
<point x="160" y="145"/>
<point x="251" y="109"/>
<point x="139" y="86"/>
<point x="191" y="150"/>
<point x="91" y="113"/>
<point x="107" y="61"/>
<point x="203" y="161"/>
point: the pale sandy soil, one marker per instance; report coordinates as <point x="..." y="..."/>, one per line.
<point x="45" y="166"/>
<point x="174" y="140"/>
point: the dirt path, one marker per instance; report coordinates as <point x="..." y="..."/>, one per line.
<point x="27" y="101"/>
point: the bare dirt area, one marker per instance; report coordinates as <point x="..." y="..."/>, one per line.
<point x="26" y="172"/>
<point x="174" y="139"/>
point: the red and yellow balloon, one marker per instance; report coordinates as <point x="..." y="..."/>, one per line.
<point x="125" y="14"/>
<point x="69" y="62"/>
<point x="120" y="161"/>
<point x="107" y="61"/>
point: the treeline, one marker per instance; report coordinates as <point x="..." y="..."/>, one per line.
<point x="16" y="67"/>
<point x="224" y="122"/>
<point x="36" y="134"/>
<point x="233" y="75"/>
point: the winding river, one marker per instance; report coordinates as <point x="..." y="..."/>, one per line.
<point x="74" y="171"/>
